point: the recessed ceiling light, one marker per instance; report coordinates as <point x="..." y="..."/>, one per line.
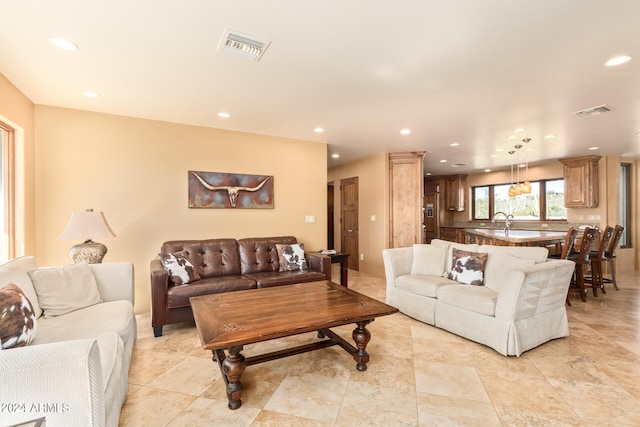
<point x="90" y="94"/>
<point x="519" y="130"/>
<point x="593" y="148"/>
<point x="335" y="155"/>
<point x="499" y="149"/>
<point x="549" y="136"/>
<point x="224" y="115"/>
<point x="511" y="137"/>
<point x="454" y="144"/>
<point x="443" y="161"/>
<point x="487" y="170"/>
<point x="318" y="130"/>
<point x="64" y="44"/>
<point x="405" y="131"/>
<point x="618" y="60"/>
<point x="493" y="156"/>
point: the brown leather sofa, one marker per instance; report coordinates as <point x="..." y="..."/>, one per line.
<point x="224" y="265"/>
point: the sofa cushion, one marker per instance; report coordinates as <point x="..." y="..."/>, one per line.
<point x="429" y="259"/>
<point x="259" y="254"/>
<point x="267" y="279"/>
<point x="421" y="284"/>
<point x="16" y="272"/>
<point x="18" y="324"/>
<point x="178" y="295"/>
<point x="479" y="299"/>
<point x="181" y="270"/>
<point x="468" y="267"/>
<point x="291" y="257"/>
<point x="62" y="290"/>
<point x="498" y="264"/>
<point x="210" y="257"/>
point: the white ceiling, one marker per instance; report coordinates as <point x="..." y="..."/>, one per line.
<point x="464" y="71"/>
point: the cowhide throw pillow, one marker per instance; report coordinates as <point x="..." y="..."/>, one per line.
<point x="468" y="267"/>
<point x="181" y="270"/>
<point x="17" y="320"/>
<point x="291" y="257"/>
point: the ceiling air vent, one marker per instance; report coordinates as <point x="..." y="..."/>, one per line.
<point x="243" y="44"/>
<point x="458" y="165"/>
<point x="594" y="111"/>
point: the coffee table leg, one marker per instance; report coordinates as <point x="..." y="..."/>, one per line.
<point x="233" y="367"/>
<point x="361" y="336"/>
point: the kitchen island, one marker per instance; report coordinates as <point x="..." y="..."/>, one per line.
<point x="486" y="236"/>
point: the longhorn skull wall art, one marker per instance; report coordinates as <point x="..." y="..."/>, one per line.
<point x="230" y="190"/>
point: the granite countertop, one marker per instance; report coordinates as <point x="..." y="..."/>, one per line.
<point x="518" y="236"/>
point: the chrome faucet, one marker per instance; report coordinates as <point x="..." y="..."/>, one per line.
<point x="507" y="220"/>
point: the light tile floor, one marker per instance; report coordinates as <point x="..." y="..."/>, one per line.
<point x="417" y="376"/>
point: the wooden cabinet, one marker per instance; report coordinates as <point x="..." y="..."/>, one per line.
<point x="581" y="182"/>
<point x="452" y="234"/>
<point x="405" y="192"/>
<point x="455" y="186"/>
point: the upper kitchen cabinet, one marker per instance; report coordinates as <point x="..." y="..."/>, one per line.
<point x="581" y="182"/>
<point x="455" y="189"/>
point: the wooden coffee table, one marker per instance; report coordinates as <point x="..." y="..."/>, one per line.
<point x="228" y="321"/>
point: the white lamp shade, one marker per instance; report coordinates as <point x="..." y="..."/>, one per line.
<point x="86" y="226"/>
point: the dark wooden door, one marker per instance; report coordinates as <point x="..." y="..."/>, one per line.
<point x="349" y="220"/>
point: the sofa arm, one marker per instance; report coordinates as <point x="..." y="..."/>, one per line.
<point x="319" y="262"/>
<point x="534" y="289"/>
<point x="397" y="262"/>
<point x="61" y="381"/>
<point x="115" y="281"/>
<point x="159" y="289"/>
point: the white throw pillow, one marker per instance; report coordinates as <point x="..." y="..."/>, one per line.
<point x="62" y="290"/>
<point x="429" y="259"/>
<point x="498" y="264"/>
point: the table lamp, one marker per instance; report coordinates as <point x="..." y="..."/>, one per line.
<point x="85" y="226"/>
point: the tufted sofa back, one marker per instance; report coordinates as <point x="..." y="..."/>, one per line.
<point x="211" y="258"/>
<point x="259" y="254"/>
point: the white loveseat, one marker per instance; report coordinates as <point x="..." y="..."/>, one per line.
<point x="75" y="370"/>
<point x="520" y="305"/>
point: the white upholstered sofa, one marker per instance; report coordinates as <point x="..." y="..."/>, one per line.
<point x="75" y="370"/>
<point x="520" y="305"/>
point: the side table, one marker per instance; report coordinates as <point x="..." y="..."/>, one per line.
<point x="343" y="259"/>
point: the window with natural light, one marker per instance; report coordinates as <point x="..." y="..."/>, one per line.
<point x="544" y="202"/>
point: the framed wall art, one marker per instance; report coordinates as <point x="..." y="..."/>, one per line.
<point x="230" y="190"/>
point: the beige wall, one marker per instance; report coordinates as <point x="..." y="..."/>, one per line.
<point x="18" y="112"/>
<point x="373" y="200"/>
<point x="135" y="171"/>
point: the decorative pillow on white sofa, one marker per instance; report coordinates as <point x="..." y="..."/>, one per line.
<point x="16" y="271"/>
<point x="62" y="290"/>
<point x="498" y="264"/>
<point x="429" y="259"/>
<point x="291" y="257"/>
<point x="468" y="267"/>
<point x="472" y="247"/>
<point x="18" y="323"/>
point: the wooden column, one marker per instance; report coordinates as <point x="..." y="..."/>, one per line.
<point x="406" y="172"/>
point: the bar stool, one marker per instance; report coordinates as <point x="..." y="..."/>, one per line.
<point x="568" y="244"/>
<point x="610" y="255"/>
<point x="581" y="259"/>
<point x="596" y="257"/>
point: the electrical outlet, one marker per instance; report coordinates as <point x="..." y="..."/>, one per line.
<point x="310" y="219"/>
<point x="361" y="257"/>
<point x="373" y="218"/>
<point x="544" y="225"/>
